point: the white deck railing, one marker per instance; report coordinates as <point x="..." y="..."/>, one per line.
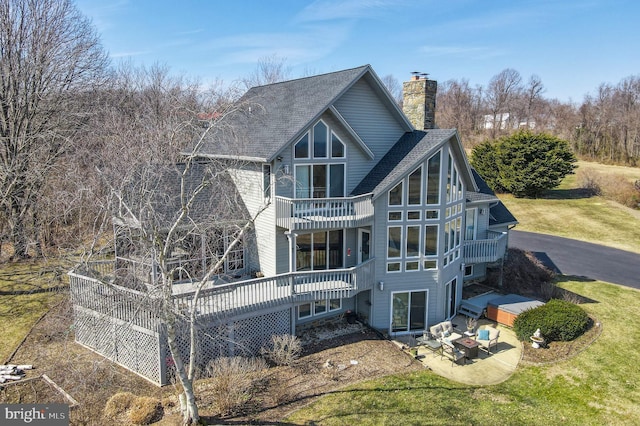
<point x="489" y="250"/>
<point x="244" y="296"/>
<point x="322" y="213"/>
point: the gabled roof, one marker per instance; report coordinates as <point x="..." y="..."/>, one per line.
<point x="499" y="214"/>
<point x="411" y="150"/>
<point x="270" y="117"/>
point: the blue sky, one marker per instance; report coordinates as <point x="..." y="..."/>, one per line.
<point x="572" y="45"/>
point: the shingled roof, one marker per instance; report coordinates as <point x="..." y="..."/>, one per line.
<point x="499" y="214"/>
<point x="271" y="116"/>
<point x="405" y="154"/>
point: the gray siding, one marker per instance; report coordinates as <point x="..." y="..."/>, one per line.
<point x="248" y="179"/>
<point x="281" y="251"/>
<point x="372" y="121"/>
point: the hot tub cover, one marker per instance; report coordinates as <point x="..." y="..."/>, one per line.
<point x="514" y="303"/>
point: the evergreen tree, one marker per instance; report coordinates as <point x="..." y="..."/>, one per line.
<point x="525" y="164"/>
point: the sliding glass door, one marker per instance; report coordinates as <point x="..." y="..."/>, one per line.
<point x="409" y="311"/>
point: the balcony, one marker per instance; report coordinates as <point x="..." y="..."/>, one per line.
<point x="297" y="214"/>
<point x="488" y="250"/>
<point x="221" y="297"/>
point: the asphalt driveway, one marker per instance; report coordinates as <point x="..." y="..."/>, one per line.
<point x="573" y="257"/>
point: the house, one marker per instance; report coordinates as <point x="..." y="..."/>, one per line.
<point x="363" y="208"/>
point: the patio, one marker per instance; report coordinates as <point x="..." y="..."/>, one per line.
<point x="485" y="369"/>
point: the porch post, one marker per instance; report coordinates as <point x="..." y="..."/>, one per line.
<point x="292" y="250"/>
<point x="291" y="236"/>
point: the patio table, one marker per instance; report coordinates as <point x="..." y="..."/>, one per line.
<point x="431" y="344"/>
<point x="468" y="345"/>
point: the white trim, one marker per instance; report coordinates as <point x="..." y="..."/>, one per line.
<point x="362" y="231"/>
<point x="309" y="149"/>
<point x="421" y="183"/>
<point x="426" y="311"/>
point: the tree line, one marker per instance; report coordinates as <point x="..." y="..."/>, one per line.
<point x="74" y="126"/>
<point x="604" y="127"/>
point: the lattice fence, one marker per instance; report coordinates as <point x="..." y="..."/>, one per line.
<point x="121" y="324"/>
<point x="228" y="337"/>
<point x="131" y="346"/>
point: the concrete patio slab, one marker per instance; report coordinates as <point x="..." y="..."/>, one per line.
<point x="486" y="369"/>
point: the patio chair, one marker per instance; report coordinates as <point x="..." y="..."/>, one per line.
<point x="451" y="352"/>
<point x="487" y="337"/>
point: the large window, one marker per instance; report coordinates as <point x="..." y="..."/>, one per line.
<point x="454" y="182"/>
<point x="414" y="196"/>
<point x="431" y="240"/>
<point x="433" y="179"/>
<point x="320" y="179"/>
<point x="470" y="223"/>
<point x="395" y="242"/>
<point x="320" y="140"/>
<point x="320" y="250"/>
<point x="412" y="234"/>
<point x="452" y="233"/>
<point x="395" y="195"/>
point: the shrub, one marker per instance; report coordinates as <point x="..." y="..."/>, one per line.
<point x="141" y="410"/>
<point x="118" y="404"/>
<point x="557" y="320"/>
<point x="612" y="187"/>
<point x="284" y="350"/>
<point x="145" y="410"/>
<point x="589" y="179"/>
<point x="234" y="381"/>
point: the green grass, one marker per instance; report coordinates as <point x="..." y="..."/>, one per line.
<point x="598" y="386"/>
<point x="567" y="212"/>
<point x="27" y="291"/>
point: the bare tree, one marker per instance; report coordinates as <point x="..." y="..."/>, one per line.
<point x="394" y="87"/>
<point x="269" y="70"/>
<point x="198" y="217"/>
<point x="459" y="107"/>
<point x="532" y="98"/>
<point x="50" y="54"/>
<point x="501" y="94"/>
<point x="175" y="215"/>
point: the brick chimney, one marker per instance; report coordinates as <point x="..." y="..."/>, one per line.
<point x="419" y="101"/>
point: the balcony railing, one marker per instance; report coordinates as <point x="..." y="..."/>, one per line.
<point x="488" y="250"/>
<point x="249" y="295"/>
<point x="323" y="213"/>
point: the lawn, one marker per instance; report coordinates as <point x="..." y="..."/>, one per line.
<point x="27" y="291"/>
<point x="598" y="386"/>
<point x="567" y="212"/>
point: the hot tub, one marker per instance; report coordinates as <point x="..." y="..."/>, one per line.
<point x="505" y="309"/>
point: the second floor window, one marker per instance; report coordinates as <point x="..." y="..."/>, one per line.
<point x="324" y="178"/>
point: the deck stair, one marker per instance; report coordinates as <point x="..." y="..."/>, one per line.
<point x="475" y="306"/>
<point x="470" y="310"/>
